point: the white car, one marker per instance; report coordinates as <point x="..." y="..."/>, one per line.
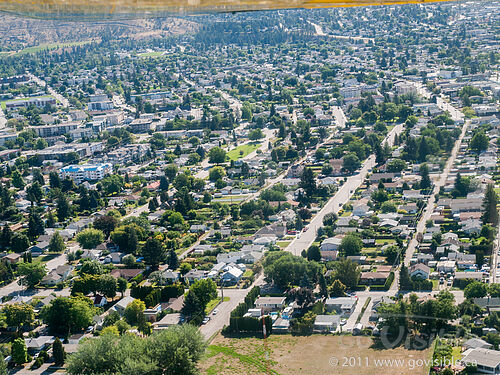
<point x="215" y="312"/>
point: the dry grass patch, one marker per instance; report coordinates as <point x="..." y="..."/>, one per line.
<point x="309" y="355"/>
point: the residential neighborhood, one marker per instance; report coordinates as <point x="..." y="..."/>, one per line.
<point x="243" y="182"/>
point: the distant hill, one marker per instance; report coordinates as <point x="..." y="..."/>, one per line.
<point x="17" y="33"/>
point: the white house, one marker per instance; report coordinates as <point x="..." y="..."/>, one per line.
<point x="331" y="244"/>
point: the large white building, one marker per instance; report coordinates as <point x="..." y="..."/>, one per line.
<point x="84" y="172"/>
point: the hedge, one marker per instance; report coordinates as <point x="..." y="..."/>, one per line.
<point x="248" y="324"/>
<point x="243" y="307"/>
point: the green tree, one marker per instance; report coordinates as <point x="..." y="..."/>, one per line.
<point x="65" y="315"/>
<point x="307" y="182"/>
<point x="19" y="351"/>
<point x="134" y="312"/>
<point x="347" y="272"/>
<point x="89" y="238"/>
<point x="35" y="225"/>
<point x="63" y="208"/>
<point x="479" y="142"/>
<point x="54" y="180"/>
<point x="58" y="352"/>
<point x="32" y="273"/>
<point x="126" y="238"/>
<point x="396" y="165"/>
<point x="106" y="224"/>
<point x="313" y="253"/>
<point x="91" y="267"/>
<point x="337" y="289"/>
<point x="494" y="290"/>
<point x="199" y="295"/>
<point x="217" y="155"/>
<point x="121" y="285"/>
<point x="34" y="192"/>
<point x="153" y="252"/>
<point x="173" y="351"/>
<point x="350" y="162"/>
<point x="255" y="134"/>
<point x="17" y="180"/>
<point x="425" y="181"/>
<point x="56" y="244"/>
<point x="112" y="184"/>
<point x="108" y="286"/>
<point x="475" y="289"/>
<point x="18" y="315"/>
<point x="490" y="202"/>
<point x="351" y="244"/>
<point x="216" y="173"/>
<point x="173" y="259"/>
<point x="20" y="242"/>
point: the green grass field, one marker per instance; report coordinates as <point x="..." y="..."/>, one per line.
<point x="2" y="104"/>
<point x="150" y="54"/>
<point x="242" y="151"/>
<point x="48" y="46"/>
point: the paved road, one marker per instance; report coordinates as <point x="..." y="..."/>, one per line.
<point x="340" y="117"/>
<point x="14" y="288"/>
<point x="495" y="259"/>
<point x="217" y="322"/>
<point x="3" y="120"/>
<point x="42" y="83"/>
<point x="363" y="296"/>
<point x="305" y="239"/>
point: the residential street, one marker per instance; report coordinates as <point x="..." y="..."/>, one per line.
<point x="342" y="196"/>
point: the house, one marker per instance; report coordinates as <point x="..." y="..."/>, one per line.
<point x="420" y="271"/>
<point x="342" y="305"/>
<point x="472" y="226"/>
<point x="329" y="255"/>
<point x="232" y="276"/>
<point x="268" y="304"/>
<point x="373" y="278"/>
<point x="51" y="279"/>
<point x="59" y="275"/>
<point x="126" y="273"/>
<point x="445" y="266"/>
<point x="122" y="304"/>
<point x="171" y="276"/>
<point x="168" y="320"/>
<point x="330" y="244"/>
<point x="487" y="361"/>
<point x="12" y="258"/>
<point x="114" y="258"/>
<point x="361" y="210"/>
<point x="276" y="229"/>
<point x="37" y="344"/>
<point x="475" y="343"/>
<point x="39" y="248"/>
<point x="198" y="228"/>
<point x="326" y="323"/>
<point x="195" y="275"/>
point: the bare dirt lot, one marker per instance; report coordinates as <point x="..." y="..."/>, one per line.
<point x="310" y="355"/>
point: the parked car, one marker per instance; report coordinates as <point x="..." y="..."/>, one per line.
<point x="206" y="320"/>
<point x="215" y="312"/>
